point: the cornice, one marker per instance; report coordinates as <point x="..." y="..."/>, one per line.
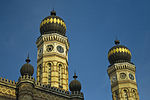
<point x="54" y="90"/>
<point x="57" y="91"/>
<point x="26" y="79"/>
<point x="52" y="37"/>
<point x="120" y="66"/>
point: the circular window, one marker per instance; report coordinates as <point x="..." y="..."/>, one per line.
<point x="122" y="75"/>
<point x="60" y="49"/>
<point x="131" y="76"/>
<point x="49" y="48"/>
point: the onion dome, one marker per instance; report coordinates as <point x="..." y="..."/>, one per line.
<point x="75" y="85"/>
<point x="119" y="53"/>
<point x="53" y="24"/>
<point x="27" y="69"/>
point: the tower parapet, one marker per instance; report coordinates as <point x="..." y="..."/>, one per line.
<point x="7" y="89"/>
<point x="9" y="82"/>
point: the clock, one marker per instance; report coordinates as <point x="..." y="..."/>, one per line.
<point x="114" y="78"/>
<point x="49" y="48"/>
<point x="122" y="75"/>
<point x="60" y="49"/>
<point x="131" y="76"/>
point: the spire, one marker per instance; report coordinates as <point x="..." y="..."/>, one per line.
<point x="28" y="60"/>
<point x="75" y="85"/>
<point x="53" y="12"/>
<point x="75" y="76"/>
<point x="117" y="42"/>
<point x="27" y="69"/>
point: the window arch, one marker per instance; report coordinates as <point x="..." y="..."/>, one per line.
<point x="134" y="94"/>
<point x="60" y="75"/>
<point x="49" y="72"/>
<point x="125" y="94"/>
<point x="40" y="73"/>
<point x="117" y="95"/>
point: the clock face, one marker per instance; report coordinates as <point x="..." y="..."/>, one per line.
<point x="60" y="49"/>
<point x="49" y="48"/>
<point x="131" y="76"/>
<point x="114" y="78"/>
<point x="122" y="75"/>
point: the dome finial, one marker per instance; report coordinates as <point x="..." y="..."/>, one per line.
<point x="75" y="85"/>
<point x="28" y="60"/>
<point x="53" y="12"/>
<point x="75" y="76"/>
<point x="117" y="42"/>
<point x="27" y="69"/>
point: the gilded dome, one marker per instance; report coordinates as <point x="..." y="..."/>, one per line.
<point x="27" y="69"/>
<point x="53" y="24"/>
<point x="75" y="85"/>
<point x="119" y="53"/>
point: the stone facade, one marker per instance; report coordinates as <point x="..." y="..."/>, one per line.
<point x="52" y="65"/>
<point x="28" y="89"/>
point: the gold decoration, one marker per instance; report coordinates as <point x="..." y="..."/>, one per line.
<point x="58" y="21"/>
<point x="7" y="91"/>
<point x="116" y="50"/>
<point x="53" y="20"/>
<point x="47" y="20"/>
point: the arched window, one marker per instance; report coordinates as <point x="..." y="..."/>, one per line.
<point x="126" y="95"/>
<point x="49" y="72"/>
<point x="117" y="95"/>
<point x="40" y="73"/>
<point x="134" y="95"/>
<point x="60" y="76"/>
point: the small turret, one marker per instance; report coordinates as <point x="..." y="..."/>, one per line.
<point x="75" y="85"/>
<point x="26" y="82"/>
<point x="27" y="69"/>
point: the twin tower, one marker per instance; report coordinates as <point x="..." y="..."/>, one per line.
<point x="52" y="62"/>
<point x="53" y="46"/>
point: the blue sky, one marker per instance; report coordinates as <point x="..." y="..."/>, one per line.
<point x="92" y="27"/>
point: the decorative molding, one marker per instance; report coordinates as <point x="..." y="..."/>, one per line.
<point x="53" y="20"/>
<point x="7" y="91"/>
<point x="117" y="50"/>
<point x="120" y="66"/>
<point x="52" y="37"/>
<point x="7" y="82"/>
<point x="123" y="82"/>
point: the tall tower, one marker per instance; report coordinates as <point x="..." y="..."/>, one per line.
<point x="52" y="56"/>
<point x="122" y="73"/>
